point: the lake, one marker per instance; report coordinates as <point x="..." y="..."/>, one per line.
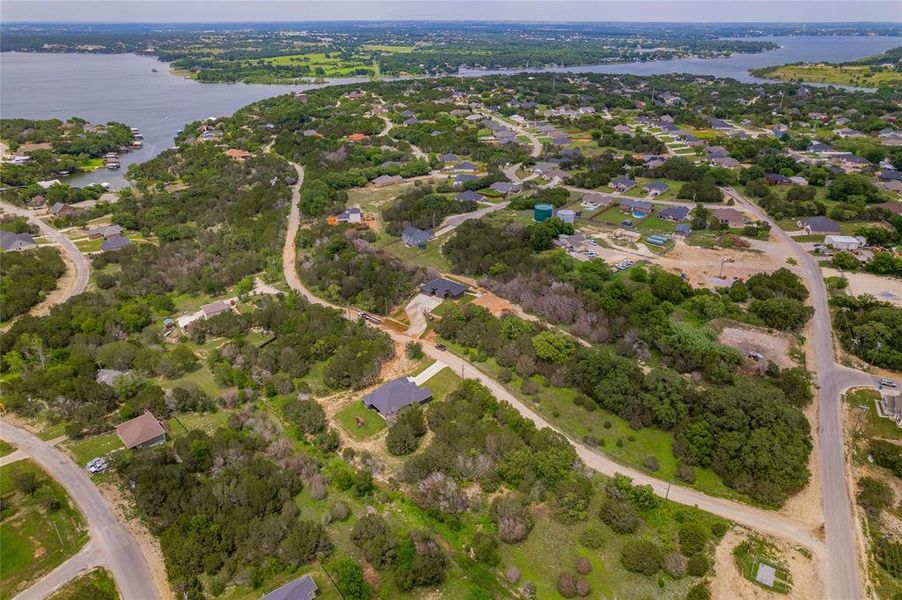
<point x="125" y="88"/>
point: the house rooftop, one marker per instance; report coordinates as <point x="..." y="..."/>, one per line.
<point x="395" y="395"/>
<point x="443" y="288"/>
<point x="303" y="588"/>
<point x="139" y="430"/>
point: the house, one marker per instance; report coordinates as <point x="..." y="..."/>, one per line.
<point x="463" y="178"/>
<point x="818" y="225"/>
<point x="416" y="238"/>
<point x="674" y="213"/>
<point x="505" y="187"/>
<point x="893" y="207"/>
<point x="395" y="395"/>
<point x="851" y="161"/>
<point x="890" y="406"/>
<point x="593" y="200"/>
<point x="716" y="152"/>
<point x="777" y="179"/>
<point x="623" y="130"/>
<point x="890" y="175"/>
<point x="718" y="124"/>
<point x="845" y="242"/>
<point x="556" y="175"/>
<point x="622" y="184"/>
<point x="236" y="154"/>
<point x="573" y="243"/>
<point x="106" y="232"/>
<point x="683" y="229"/>
<point x="116" y="242"/>
<point x="350" y="215"/>
<point x="848" y="133"/>
<point x="798" y="180"/>
<point x="726" y="162"/>
<point x="303" y="588"/>
<point x="143" y="431"/>
<point x="62" y="210"/>
<point x="629" y="204"/>
<point x="443" y="288"/>
<point x="465" y="167"/>
<point x="15" y="242"/>
<point x="358" y="137"/>
<point x="655" y="188"/>
<point x="542" y="167"/>
<point x="49" y="183"/>
<point x="730" y="217"/>
<point x="410" y="121"/>
<point x="448" y="157"/>
<point x="820" y="148"/>
<point x="387" y="180"/>
<point x="469" y="196"/>
<point x="214" y="308"/>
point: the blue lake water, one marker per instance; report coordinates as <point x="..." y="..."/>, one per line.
<point x="125" y="87"/>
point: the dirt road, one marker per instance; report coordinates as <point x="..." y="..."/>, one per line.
<point x="117" y="549"/>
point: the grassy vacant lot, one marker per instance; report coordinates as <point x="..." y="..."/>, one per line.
<point x="388" y="49"/>
<point x="870" y="425"/>
<point x="372" y="422"/>
<point x="859" y="75"/>
<point x="208" y="422"/>
<point x="614" y="216"/>
<point x="97" y="584"/>
<point x="39" y="531"/>
<point x="443" y="383"/>
<point x="332" y="66"/>
<point x="92" y="447"/>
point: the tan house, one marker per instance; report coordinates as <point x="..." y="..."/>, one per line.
<point x="143" y="431"/>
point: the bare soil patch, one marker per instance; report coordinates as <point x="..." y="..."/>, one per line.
<point x="773" y="345"/>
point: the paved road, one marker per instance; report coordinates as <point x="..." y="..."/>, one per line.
<point x="533" y="140"/>
<point x="756" y="518"/>
<point x="389" y="125"/>
<point x="832" y="380"/>
<point x="454" y="221"/>
<point x="117" y="548"/>
<point x="82" y="266"/>
<point x="87" y="558"/>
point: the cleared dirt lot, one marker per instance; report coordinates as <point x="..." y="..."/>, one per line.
<point x="774" y="346"/>
<point x="887" y="289"/>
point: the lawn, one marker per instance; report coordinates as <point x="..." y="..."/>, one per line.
<point x="430" y="257"/>
<point x="208" y="422"/>
<point x="202" y="378"/>
<point x="6" y="448"/>
<point x="96" y="584"/>
<point x="756" y="551"/>
<point x="443" y="383"/>
<point x="614" y="216"/>
<point x="372" y="422"/>
<point x="331" y="66"/>
<point x="35" y="539"/>
<point x="388" y="49"/>
<point x="92" y="447"/>
<point x="870" y="425"/>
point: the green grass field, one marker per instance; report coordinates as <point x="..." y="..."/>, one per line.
<point x="443" y="383"/>
<point x="6" y="448"/>
<point x="858" y="75"/>
<point x="332" y="66"/>
<point x="208" y="422"/>
<point x="36" y="537"/>
<point x="92" y="447"/>
<point x="388" y="49"/>
<point x="202" y="378"/>
<point x="96" y="584"/>
<point x="372" y="422"/>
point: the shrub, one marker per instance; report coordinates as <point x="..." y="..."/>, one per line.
<point x="348" y="577"/>
<point x="414" y="350"/>
<point x="512" y="517"/>
<point x="641" y="556"/>
<point x="27" y="483"/>
<point x="419" y="561"/>
<point x="699" y="591"/>
<point x="528" y="589"/>
<point x="693" y="538"/>
<point x="566" y="585"/>
<point x="651" y="463"/>
<point x="317" y="486"/>
<point x="339" y="511"/>
<point x="485" y="548"/>
<point x="372" y="535"/>
<point x="583" y="588"/>
<point x="592" y="538"/>
<point x="583" y="566"/>
<point x="874" y="495"/>
<point x="675" y="565"/>
<point x="306" y="414"/>
<point x="620" y="516"/>
<point x="505" y="376"/>
<point x="888" y="555"/>
<point x="512" y="574"/>
<point x="685" y="473"/>
<point x="401" y="439"/>
<point x="529" y="387"/>
<point x="719" y="528"/>
<point x="698" y="565"/>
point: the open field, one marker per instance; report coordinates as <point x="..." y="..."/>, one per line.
<point x="92" y="447"/>
<point x="859" y="75"/>
<point x="39" y="530"/>
<point x="371" y="422"/>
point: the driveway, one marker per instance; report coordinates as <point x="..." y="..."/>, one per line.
<point x="454" y="221"/>
<point x="416" y="311"/>
<point x="117" y="549"/>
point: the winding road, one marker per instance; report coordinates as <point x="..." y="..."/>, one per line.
<point x="114" y="545"/>
<point x="82" y="265"/>
<point x="533" y="140"/>
<point x="750" y="516"/>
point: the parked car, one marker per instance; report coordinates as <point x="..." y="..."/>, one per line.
<point x="440" y="347"/>
<point x="98" y="465"/>
<point x="888" y="383"/>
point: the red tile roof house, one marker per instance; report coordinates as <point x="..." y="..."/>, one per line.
<point x="357" y="137"/>
<point x="143" y="431"/>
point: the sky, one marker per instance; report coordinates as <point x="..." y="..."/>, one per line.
<point x="208" y="11"/>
